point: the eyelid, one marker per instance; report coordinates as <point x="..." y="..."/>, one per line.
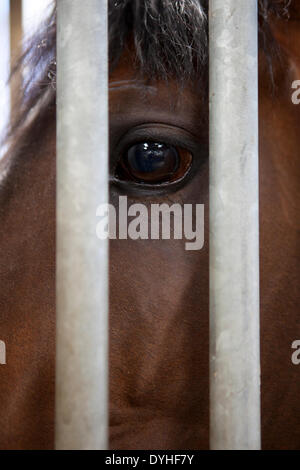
<point x="155" y="132"/>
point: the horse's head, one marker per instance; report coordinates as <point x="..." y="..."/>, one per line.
<point x="158" y="287"/>
<point x="159" y="290"/>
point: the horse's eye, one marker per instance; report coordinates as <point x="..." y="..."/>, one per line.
<point x="153" y="163"/>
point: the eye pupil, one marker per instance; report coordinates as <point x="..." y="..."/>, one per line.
<point x="152" y="162"/>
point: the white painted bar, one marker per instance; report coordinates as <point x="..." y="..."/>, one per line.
<point x="234" y="226"/>
<point x="82" y="259"/>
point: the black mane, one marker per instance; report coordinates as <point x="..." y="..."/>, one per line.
<point x="169" y="38"/>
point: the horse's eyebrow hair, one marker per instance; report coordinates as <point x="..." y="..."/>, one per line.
<point x="124" y="84"/>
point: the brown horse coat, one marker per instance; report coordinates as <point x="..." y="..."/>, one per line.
<point x="158" y="291"/>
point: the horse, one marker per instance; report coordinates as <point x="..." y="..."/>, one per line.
<point x="159" y="389"/>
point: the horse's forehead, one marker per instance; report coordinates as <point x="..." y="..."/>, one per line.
<point x="126" y="75"/>
<point x="135" y="99"/>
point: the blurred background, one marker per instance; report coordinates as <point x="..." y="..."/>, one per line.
<point x="18" y="19"/>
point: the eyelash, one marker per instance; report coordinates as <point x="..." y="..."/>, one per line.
<point x="156" y="133"/>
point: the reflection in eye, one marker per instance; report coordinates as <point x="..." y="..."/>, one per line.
<point x="153" y="163"/>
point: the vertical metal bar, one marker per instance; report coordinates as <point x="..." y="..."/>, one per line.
<point x="82" y="259"/>
<point x="234" y="230"/>
<point x="16" y="33"/>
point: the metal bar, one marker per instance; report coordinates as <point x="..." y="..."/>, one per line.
<point x="82" y="259"/>
<point x="234" y="229"/>
<point x="16" y="34"/>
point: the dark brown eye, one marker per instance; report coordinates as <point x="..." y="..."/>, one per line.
<point x="153" y="163"/>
